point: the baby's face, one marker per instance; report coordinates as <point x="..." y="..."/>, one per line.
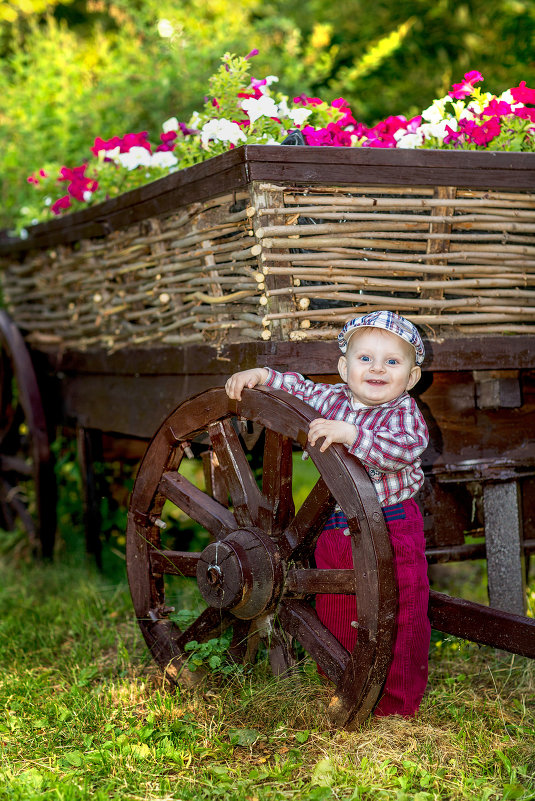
<point x="378" y="366"/>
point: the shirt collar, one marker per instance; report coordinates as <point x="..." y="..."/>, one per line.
<point x="356" y="406"/>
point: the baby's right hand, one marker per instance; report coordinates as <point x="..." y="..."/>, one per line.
<point x="245" y="378"/>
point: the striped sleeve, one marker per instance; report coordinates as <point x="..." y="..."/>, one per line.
<point x="319" y="396"/>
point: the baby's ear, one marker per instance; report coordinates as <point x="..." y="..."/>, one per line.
<point x="414" y="376"/>
<point x="342" y="368"/>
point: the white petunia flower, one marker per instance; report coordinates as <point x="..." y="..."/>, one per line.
<point x="283" y="108"/>
<point x="222" y="130"/>
<point x="87" y="195"/>
<point x="437" y="130"/>
<point x="435" y="112"/>
<point x="111" y="154"/>
<point x="262" y="107"/>
<point x="170" y="125"/>
<point x="299" y="115"/>
<point x="136" y="157"/>
<point x="164" y="158"/>
<point x="409" y="140"/>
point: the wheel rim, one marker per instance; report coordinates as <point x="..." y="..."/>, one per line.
<point x="255" y="576"/>
<point x="27" y="482"/>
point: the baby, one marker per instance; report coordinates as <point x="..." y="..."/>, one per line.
<point x="375" y="418"/>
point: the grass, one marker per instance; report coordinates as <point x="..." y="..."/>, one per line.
<point x="87" y="715"/>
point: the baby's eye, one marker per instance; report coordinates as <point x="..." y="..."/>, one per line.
<point x="365" y="358"/>
<point x="391" y="361"/>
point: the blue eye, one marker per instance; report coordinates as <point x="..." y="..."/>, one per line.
<point x="391" y="361"/>
<point x="365" y="358"/>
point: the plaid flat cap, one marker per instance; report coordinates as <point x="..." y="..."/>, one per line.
<point x="389" y="321"/>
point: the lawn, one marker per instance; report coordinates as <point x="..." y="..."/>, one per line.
<point x="87" y="714"/>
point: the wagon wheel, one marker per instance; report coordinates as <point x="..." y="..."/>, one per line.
<point x="255" y="574"/>
<point x="27" y="482"/>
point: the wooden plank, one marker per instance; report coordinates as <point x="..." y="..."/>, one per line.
<point x="303" y="165"/>
<point x="482" y="624"/>
<point x="314" y="358"/>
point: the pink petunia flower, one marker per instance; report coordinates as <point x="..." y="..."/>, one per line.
<point x="453" y="136"/>
<point x="497" y="108"/>
<point x="105" y="144"/>
<point x="135" y="140"/>
<point x="60" y="204"/>
<point x="307" y="101"/>
<point x="525" y="113"/>
<point x="167" y="140"/>
<point x="32" y="179"/>
<point x="522" y="93"/>
<point x="466" y="87"/>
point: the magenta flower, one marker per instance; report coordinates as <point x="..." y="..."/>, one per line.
<point x="251" y="53"/>
<point x="74" y="174"/>
<point x="331" y="136"/>
<point x="256" y="94"/>
<point x="466" y="87"/>
<point x="32" y="179"/>
<point x="522" y="93"/>
<point x="185" y="130"/>
<point x="61" y="204"/>
<point x="525" y="113"/>
<point x="307" y="101"/>
<point x="482" y="134"/>
<point x="135" y="140"/>
<point x="167" y="140"/>
<point x="105" y="144"/>
<point x="453" y="136"/>
<point x="497" y="108"/>
<point x="342" y="105"/>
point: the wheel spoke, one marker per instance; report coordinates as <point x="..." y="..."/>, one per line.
<point x="197" y="504"/>
<point x="210" y="623"/>
<point x="174" y="563"/>
<point x="11" y="498"/>
<point x="215" y="486"/>
<point x="250" y="507"/>
<point x="277" y="479"/>
<point x="15" y="464"/>
<point x="308" y="582"/>
<point x="307" y="525"/>
<point x="281" y="652"/>
<point x="300" y="621"/>
<point x="242" y="642"/>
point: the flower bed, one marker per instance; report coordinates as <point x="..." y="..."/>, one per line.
<point x="243" y="110"/>
<point x="285" y="243"/>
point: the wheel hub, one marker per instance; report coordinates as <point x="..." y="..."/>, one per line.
<point x="241" y="573"/>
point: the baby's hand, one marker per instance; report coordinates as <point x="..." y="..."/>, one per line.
<point x="245" y="378"/>
<point x="332" y="430"/>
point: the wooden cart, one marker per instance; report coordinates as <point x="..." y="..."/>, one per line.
<point x="136" y="311"/>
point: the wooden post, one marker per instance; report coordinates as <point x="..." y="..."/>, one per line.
<point x="266" y="196"/>
<point x="89" y="445"/>
<point x="505" y="556"/>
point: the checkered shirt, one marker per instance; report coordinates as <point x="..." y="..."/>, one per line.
<point x="389" y="438"/>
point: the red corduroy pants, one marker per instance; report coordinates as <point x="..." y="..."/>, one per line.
<point x="407" y="678"/>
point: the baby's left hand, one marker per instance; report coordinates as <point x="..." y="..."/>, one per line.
<point x="333" y="431"/>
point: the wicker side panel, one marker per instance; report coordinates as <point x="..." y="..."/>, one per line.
<point x="185" y="277"/>
<point x="452" y="260"/>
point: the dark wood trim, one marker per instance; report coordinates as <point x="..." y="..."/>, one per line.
<point x="482" y="624"/>
<point x="314" y="358"/>
<point x="294" y="165"/>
